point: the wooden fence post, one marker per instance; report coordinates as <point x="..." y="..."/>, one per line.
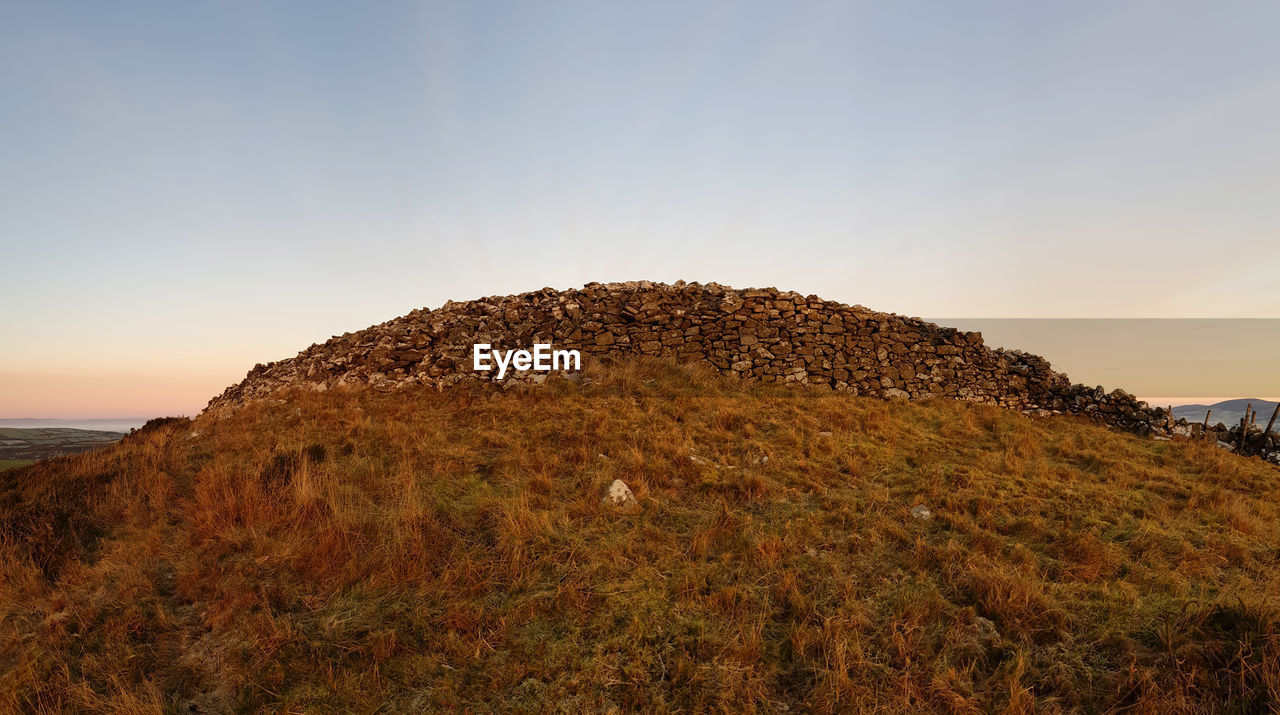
<point x="1270" y="423"/>
<point x="1244" y="427"/>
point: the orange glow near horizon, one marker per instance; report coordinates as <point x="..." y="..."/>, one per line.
<point x="49" y="395"/>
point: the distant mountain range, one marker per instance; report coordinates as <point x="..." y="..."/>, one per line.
<point x="1227" y="412"/>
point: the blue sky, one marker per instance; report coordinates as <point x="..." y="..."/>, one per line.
<point x="188" y="188"/>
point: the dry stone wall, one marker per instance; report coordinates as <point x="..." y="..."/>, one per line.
<point x="754" y="334"/>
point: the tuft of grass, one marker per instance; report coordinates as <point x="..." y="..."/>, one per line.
<point x="354" y="550"/>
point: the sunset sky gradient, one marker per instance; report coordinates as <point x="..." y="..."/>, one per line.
<point x="187" y="189"/>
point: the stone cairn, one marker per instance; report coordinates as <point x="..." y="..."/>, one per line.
<point x="754" y="334"/>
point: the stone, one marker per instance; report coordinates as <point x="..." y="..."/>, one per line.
<point x="620" y="497"/>
<point x="809" y="341"/>
<point x="920" y="511"/>
<point x="985" y="632"/>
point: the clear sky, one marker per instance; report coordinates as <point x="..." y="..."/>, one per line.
<point x="189" y="188"/>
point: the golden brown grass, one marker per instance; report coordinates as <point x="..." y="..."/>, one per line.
<point x="439" y="551"/>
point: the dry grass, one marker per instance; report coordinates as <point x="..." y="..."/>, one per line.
<point x="425" y="551"/>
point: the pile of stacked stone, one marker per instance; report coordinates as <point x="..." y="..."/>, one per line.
<point x="755" y="334"/>
<point x="1251" y="440"/>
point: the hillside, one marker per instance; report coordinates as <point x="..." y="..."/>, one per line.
<point x="352" y="549"/>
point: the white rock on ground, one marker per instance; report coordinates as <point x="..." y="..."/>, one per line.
<point x="987" y="635"/>
<point x="620" y="496"/>
<point x="920" y="511"/>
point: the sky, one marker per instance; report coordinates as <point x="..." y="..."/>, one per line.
<point x="187" y="189"/>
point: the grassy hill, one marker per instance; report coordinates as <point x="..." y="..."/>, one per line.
<point x="432" y="551"/>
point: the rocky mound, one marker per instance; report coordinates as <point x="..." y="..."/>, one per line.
<point x="754" y="334"/>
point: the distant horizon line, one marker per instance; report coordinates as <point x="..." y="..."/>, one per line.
<point x="1207" y="401"/>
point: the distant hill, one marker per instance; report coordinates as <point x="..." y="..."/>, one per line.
<point x="42" y="443"/>
<point x="1227" y="412"/>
